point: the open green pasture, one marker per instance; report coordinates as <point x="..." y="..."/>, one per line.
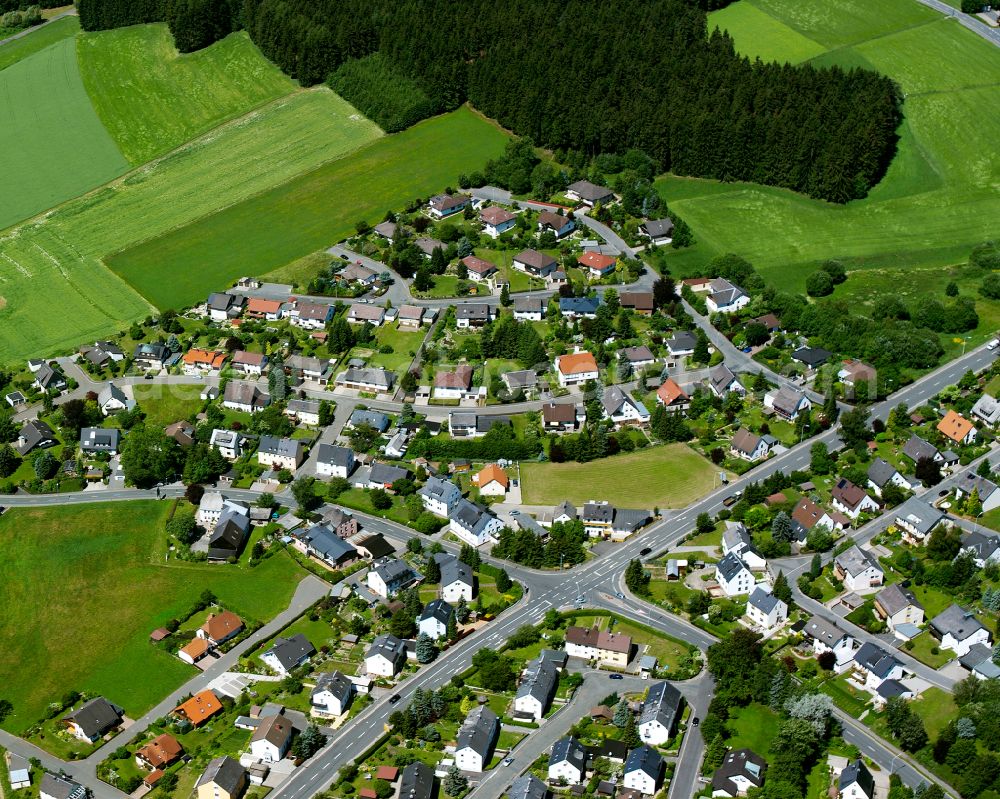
<point x="153" y="99"/>
<point x="940" y="195"/>
<point x="309" y="213"/>
<point x="84" y="585"/>
<point x="52" y="145"/>
<point x="57" y="261"/>
<point x="38" y="40"/>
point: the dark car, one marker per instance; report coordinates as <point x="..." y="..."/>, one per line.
<point x="394" y="699"/>
<point x="616" y="677"/>
<point x="645" y="551"/>
<point x="696" y="721"/>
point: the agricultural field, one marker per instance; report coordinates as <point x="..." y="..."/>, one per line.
<point x="38" y="40"/>
<point x="152" y="99"/>
<point x="63" y="253"/>
<point x="53" y="145"/>
<point x="309" y="213"/>
<point x="668" y="476"/>
<point x="939" y="197"/>
<point x="93" y="634"/>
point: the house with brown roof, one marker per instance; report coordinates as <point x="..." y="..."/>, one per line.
<point x="592" y="643"/>
<point x="453" y="384"/>
<point x="194" y="650"/>
<point x="807" y="515"/>
<point x="197" y="361"/>
<point x="492" y="481"/>
<point x="639" y="301"/>
<point x="589" y="193"/>
<point x="749" y="446"/>
<point x="258" y="308"/>
<point x="576" y="368"/>
<point x="443" y="205"/>
<point x="182" y="432"/>
<point x="412" y="316"/>
<point x="597" y="263"/>
<point x="362" y="312"/>
<point x="249" y="363"/>
<point x="480" y="269"/>
<point x="672" y="397"/>
<point x="159" y="753"/>
<point x="957" y="428"/>
<point x="561" y="417"/>
<point x="271" y="739"/>
<point x="534" y="263"/>
<point x="853" y="372"/>
<point x="199" y="708"/>
<point x="220" y="627"/>
<point x="497" y="221"/>
<point x="851" y="499"/>
<point x="558" y="224"/>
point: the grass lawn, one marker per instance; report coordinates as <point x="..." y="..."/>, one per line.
<point x="846" y="697"/>
<point x="403" y="343"/>
<point x="165" y="404"/>
<point x="56" y="146"/>
<point x="666" y="476"/>
<point x="938" y="198"/>
<point x="933" y="599"/>
<point x="922" y="646"/>
<point x="314" y="210"/>
<point x="106" y="585"/>
<point x="38" y="40"/>
<point x="753" y="727"/>
<point x="153" y="99"/>
<point x="61" y="256"/>
<point x="936" y="707"/>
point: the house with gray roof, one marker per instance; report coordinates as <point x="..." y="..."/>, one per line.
<point x="112" y="399"/>
<point x="49" y="378"/>
<point x="984" y="547"/>
<point x="527" y="786"/>
<point x="644" y="770"/>
<point x="322" y="542"/>
<point x="661" y="711"/>
<point x="734" y="576"/>
<point x="917" y="449"/>
<point x="765" y="610"/>
<point x="589" y="193"/>
<point x="722" y="381"/>
<point x="741" y="770"/>
<point x="536" y="689"/>
<point x="858" y="569"/>
<point x="725" y="297"/>
<point x="434" y="619"/>
<point x="959" y="630"/>
<point x="457" y="580"/>
<point x="623" y="409"/>
<point x="224" y="776"/>
<point x="374" y="419"/>
<point x="917" y="519"/>
<point x="222" y="306"/>
<point x="332" y="695"/>
<point x="882" y="473"/>
<point x="567" y="762"/>
<point x="386" y="656"/>
<point x="287" y="654"/>
<point x="658" y="231"/>
<point x="682" y="343"/>
<point x="989" y="494"/>
<point x="828" y="637"/>
<point x="383" y="475"/>
<point x="280" y="453"/>
<point x="476" y="739"/>
<point x="416" y="781"/>
<point x="787" y="403"/>
<point x="100" y="439"/>
<point x="896" y="606"/>
<point x="334" y="461"/>
<point x="440" y="496"/>
<point x="987" y="410"/>
<point x="473" y="524"/>
<point x="57" y="786"/>
<point x="389" y="576"/>
<point x="874" y="666"/>
<point x="979" y="660"/>
<point x="94" y="719"/>
<point x="241" y="395"/>
<point x="367" y="378"/>
<point x="856" y="781"/>
<point x="472" y="314"/>
<point x="35" y="434"/>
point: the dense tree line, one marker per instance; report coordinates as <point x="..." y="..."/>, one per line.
<point x="98" y="15"/>
<point x="194" y="23"/>
<point x="393" y="100"/>
<point x="584" y="77"/>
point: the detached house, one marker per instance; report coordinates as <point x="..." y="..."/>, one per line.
<point x="987" y="410"/>
<point x="736" y="540"/>
<point x="371" y="379"/>
<point x="206" y="362"/>
<point x="360" y="313"/>
<point x="661" y="711"/>
<point x="457" y="580"/>
<point x="851" y="499"/>
<point x="280" y="453"/>
<point x="917" y="519"/>
<point x="334" y="461"/>
<point x="917" y="449"/>
<point x="112" y="399"/>
<point x="567" y="762"/>
<point x="332" y="695"/>
<point x="876" y="666"/>
<point x="896" y="605"/>
<point x="251" y="364"/>
<point x="672" y="397"/>
<point x="271" y="739"/>
<point x="287" y="654"/>
<point x="957" y="428"/>
<point x="497" y="221"/>
<point x="560" y="225"/>
<point x="492" y="481"/>
<point x="622" y="408"/>
<point x="453" y="384"/>
<point x="536" y="689"/>
<point x="562" y="417"/>
<point x="100" y="439"/>
<point x="388" y="576"/>
<point x="440" y="496"/>
<point x="228" y="442"/>
<point x="52" y="786"/>
<point x="828" y="637"/>
<point x="434" y="618"/>
<point x="787" y="403"/>
<point x="443" y="205"/>
<point x="474" y="525"/>
<point x="765" y="610"/>
<point x="49" y="379"/>
<point x="882" y="473"/>
<point x="386" y="657"/>
<point x="151" y="356"/>
<point x="35" y="434"/>
<point x="597" y="264"/>
<point x="750" y="446"/>
<point x="579" y="307"/>
<point x="734" y="576"/>
<point x="856" y="782"/>
<point x="224" y="778"/>
<point x="643" y="770"/>
<point x="258" y="308"/>
<point x="476" y="739"/>
<point x="589" y="193"/>
<point x="987" y="490"/>
<point x="310" y="315"/>
<point x="473" y="314"/>
<point x="722" y="381"/>
<point x="807" y="515"/>
<point x="741" y="770"/>
<point x="591" y="643"/>
<point x="534" y="263"/>
<point x="159" y="753"/>
<point x="94" y="719"/>
<point x="576" y="368"/>
<point x="220" y="627"/>
<point x="479" y="269"/>
<point x="244" y="396"/>
<point x="985" y="549"/>
<point x="658" y="231"/>
<point x="224" y="307"/>
<point x="858" y="569"/>
<point x="959" y="630"/>
<point x="725" y="297"/>
<point x="530" y="309"/>
<point x="199" y="708"/>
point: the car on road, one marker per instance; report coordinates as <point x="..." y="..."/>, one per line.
<point x="507" y="761"/>
<point x="394" y="699"/>
<point x="619" y="594"/>
<point x="645" y="551"/>
<point x="695" y="721"/>
<point x="581" y="599"/>
<point x="993" y="344"/>
<point x="345" y="256"/>
<point x="615" y="677"/>
<point x="731" y="500"/>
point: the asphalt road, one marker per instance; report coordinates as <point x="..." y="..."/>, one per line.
<point x="977" y="26"/>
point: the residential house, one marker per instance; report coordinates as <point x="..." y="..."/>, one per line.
<point x="853" y="372"/>
<point x="722" y="381"/>
<point x="388" y="576"/>
<point x="462" y="424"/>
<point x="310" y="315"/>
<point x="567" y="762"/>
<point x="287" y="654"/>
<point x="851" y="499"/>
<point x="416" y="781"/>
<point x="224" y="778"/>
<point x="741" y="770"/>
<point x="858" y="569"/>
<point x="413" y="316"/>
<point x="750" y="446"/>
<point x="223" y="307"/>
<point x="57" y="786"/>
<point x="35" y="434"/>
<point x="194" y="650"/>
<point x="575" y="369"/>
<point x="737" y="541"/>
<point x="49" y="379"/>
<point x="623" y="409"/>
<point x="492" y="481"/>
<point x="661" y="712"/>
<point x="16" y="399"/>
<point x="812" y="357"/>
<point x="94" y="719"/>
<point x="360" y="274"/>
<point x="562" y="417"/>
<point x="480" y="270"/>
<point x="182" y="432"/>
<point x="987" y="410"/>
<point x="643" y="770"/>
<point x="18" y="771"/>
<point x="371" y="379"/>
<point x="639" y="301"/>
<point x="473" y="525"/>
<point x="476" y="739"/>
<point x="258" y="308"/>
<point x="725" y="297"/>
<point x="271" y="739"/>
<point x="856" y="781"/>
<point x="220" y="627"/>
<point x="241" y="395"/>
<point x="497" y="221"/>
<point x="203" y="362"/>
<point x="251" y="364"/>
<point x="384" y="475"/>
<point x="828" y="637"/>
<point x="457" y="581"/>
<point x="591" y="643"/>
<point x="536" y="689"/>
<point x="882" y="473"/>
<point x="957" y="428"/>
<point x="787" y="403"/>
<point x="597" y="264"/>
<point x="361" y="312"/>
<point x="332" y="695"/>
<point x="959" y="630"/>
<point x="334" y="461"/>
<point x="301" y="367"/>
<point x="373" y="419"/>
<point x="874" y="666"/>
<point x="151" y="356"/>
<point x="473" y="314"/>
<point x="917" y="519"/>
<point x="979" y="660"/>
<point x="658" y="231"/>
<point x="530" y="309"/>
<point x="199" y="708"/>
<point x="557" y="223"/>
<point x="987" y="491"/>
<point x="453" y="384"/>
<point x="100" y="439"/>
<point x="917" y="449"/>
<point x="522" y="380"/>
<point x="896" y="605"/>
<point x="681" y="344"/>
<point x="323" y="542"/>
<point x="443" y="205"/>
<point x="162" y="751"/>
<point x="535" y="263"/>
<point x="734" y="576"/>
<point x="112" y="399"/>
<point x="598" y="518"/>
<point x="280" y="453"/>
<point x="589" y="193"/>
<point x="440" y="496"/>
<point x="672" y="397"/>
<point x="807" y="515"/>
<point x="765" y="610"/>
<point x="434" y="618"/>
<point x="579" y="307"/>
<point x="428" y="245"/>
<point x="228" y="442"/>
<point x="386" y="657"/>
<point x="229" y="534"/>
<point x="984" y="548"/>
<point x="527" y="786"/>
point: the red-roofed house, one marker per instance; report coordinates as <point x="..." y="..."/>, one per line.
<point x="597" y="263"/>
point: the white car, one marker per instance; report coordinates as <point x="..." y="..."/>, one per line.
<point x="993" y="344"/>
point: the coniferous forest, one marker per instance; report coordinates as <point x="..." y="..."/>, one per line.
<point x="576" y="75"/>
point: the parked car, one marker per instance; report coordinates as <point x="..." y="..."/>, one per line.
<point x="616" y="677"/>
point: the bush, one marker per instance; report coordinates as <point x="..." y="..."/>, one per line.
<point x="819" y="284"/>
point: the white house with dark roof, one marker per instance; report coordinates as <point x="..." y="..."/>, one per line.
<point x="332" y="695"/>
<point x="734" y="576"/>
<point x="280" y="453"/>
<point x="228" y="442"/>
<point x="828" y="637"/>
<point x="457" y="580"/>
<point x="440" y="496"/>
<point x="856" y="782"/>
<point x="536" y="688"/>
<point x="984" y="547"/>
<point x="722" y="381"/>
<point x="896" y="605"/>
<point x="765" y="610"/>
<point x="917" y="449"/>
<point x="658" y="231"/>
<point x="787" y="403"/>
<point x="882" y="473"/>
<point x="94" y="719"/>
<point x="271" y="739"/>
<point x="527" y="786"/>
<point x="736" y="540"/>
<point x="476" y="739"/>
<point x="643" y="770"/>
<point x="622" y="408"/>
<point x="474" y="525"/>
<point x="433" y="619"/>
<point x="530" y="309"/>
<point x="473" y="314"/>
<point x="661" y="711"/>
<point x="287" y="654"/>
<point x="959" y="630"/>
<point x="389" y="576"/>
<point x="535" y="263"/>
<point x="874" y="665"/>
<point x="725" y="297"/>
<point x="989" y="494"/>
<point x="750" y="446"/>
<point x="987" y="410"/>
<point x="858" y="569"/>
<point x="334" y="461"/>
<point x="589" y="193"/>
<point x="567" y="762"/>
<point x="917" y="519"/>
<point x="386" y="656"/>
<point x="741" y="770"/>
